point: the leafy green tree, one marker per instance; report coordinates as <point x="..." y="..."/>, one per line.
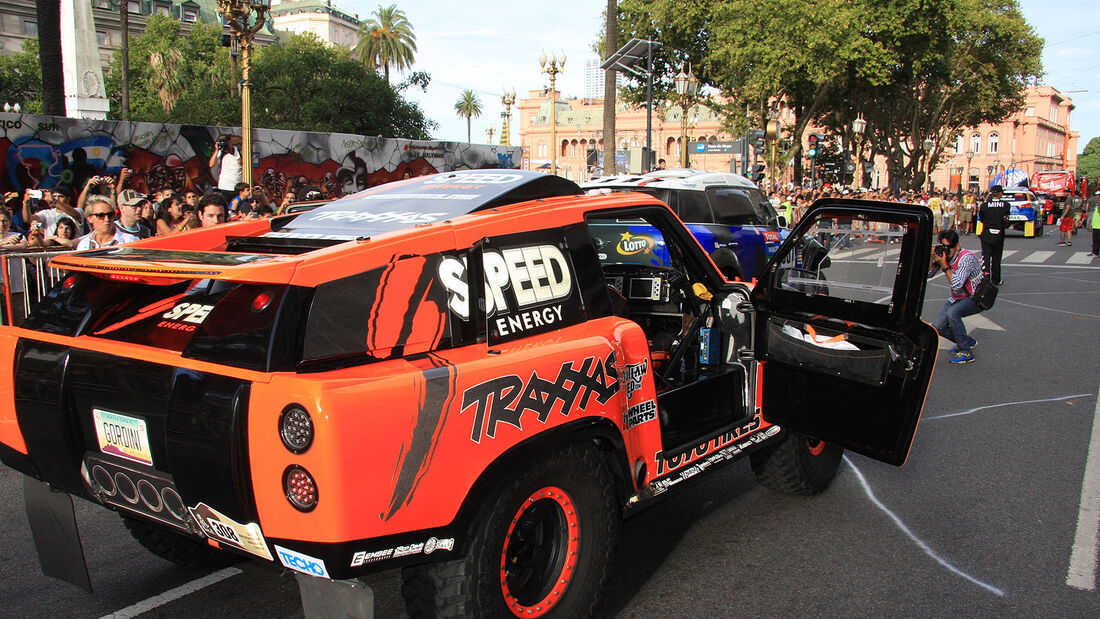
<point x="300" y="84"/>
<point x="1088" y="162"/>
<point x="21" y="78"/>
<point x="303" y="84"/>
<point x="947" y="66"/>
<point x="915" y="69"/>
<point x="468" y="106"/>
<point x="386" y="40"/>
<point x="176" y="78"/>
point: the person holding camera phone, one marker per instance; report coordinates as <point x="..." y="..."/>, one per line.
<point x="60" y="199"/>
<point x="229" y="158"/>
<point x="176" y="215"/>
<point x="964" y="272"/>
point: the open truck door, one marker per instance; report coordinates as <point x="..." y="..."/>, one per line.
<point x="847" y="358"/>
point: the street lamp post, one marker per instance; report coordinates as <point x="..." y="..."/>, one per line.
<point x="552" y="65"/>
<point x="928" y="145"/>
<point x="969" y="159"/>
<point x="859" y="125"/>
<point x="489" y="131"/>
<point x="245" y="18"/>
<point x="686" y="86"/>
<point x="508" y="98"/>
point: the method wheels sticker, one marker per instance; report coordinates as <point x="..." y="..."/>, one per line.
<point x="225" y="530"/>
<point x="123" y="436"/>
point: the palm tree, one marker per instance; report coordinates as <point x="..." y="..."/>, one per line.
<point x="468" y="105"/>
<point x="166" y="76"/>
<point x="386" y="40"/>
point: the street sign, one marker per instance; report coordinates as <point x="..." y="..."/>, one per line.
<point x="714" y="148"/>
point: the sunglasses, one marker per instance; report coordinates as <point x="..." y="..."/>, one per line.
<point x="100" y="215"/>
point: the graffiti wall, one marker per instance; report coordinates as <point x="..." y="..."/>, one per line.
<point x="39" y="152"/>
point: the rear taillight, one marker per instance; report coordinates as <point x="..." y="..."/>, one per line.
<point x="296" y="429"/>
<point x="261" y="301"/>
<point x="300" y="489"/>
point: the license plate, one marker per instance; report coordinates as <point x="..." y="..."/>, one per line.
<point x="1017" y="218"/>
<point x="123" y="436"/>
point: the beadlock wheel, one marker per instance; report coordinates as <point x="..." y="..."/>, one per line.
<point x="539" y="553"/>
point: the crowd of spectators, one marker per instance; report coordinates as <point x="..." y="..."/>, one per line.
<point x="50" y="219"/>
<point x="951" y="210"/>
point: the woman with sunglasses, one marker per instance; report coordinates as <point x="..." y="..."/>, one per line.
<point x="104" y="231"/>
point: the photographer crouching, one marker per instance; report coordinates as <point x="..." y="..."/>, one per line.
<point x="964" y="273"/>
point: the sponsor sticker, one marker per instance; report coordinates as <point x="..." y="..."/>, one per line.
<point x="508" y="398"/>
<point x="223" y="529"/>
<point x="639" y="414"/>
<point x="633" y="375"/>
<point x="427" y="547"/>
<point x="301" y="562"/>
<point x="123" y="436"/>
<point x="632" y="244"/>
<point x="525" y="288"/>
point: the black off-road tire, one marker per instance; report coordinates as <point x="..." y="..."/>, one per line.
<point x="178" y="548"/>
<point x="529" y="528"/>
<point x="795" y="464"/>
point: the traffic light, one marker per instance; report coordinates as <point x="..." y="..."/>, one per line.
<point x="814" y="145"/>
<point x="758" y="173"/>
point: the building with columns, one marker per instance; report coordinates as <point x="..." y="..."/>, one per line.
<point x="580" y="127"/>
<point x="1037" y="137"/>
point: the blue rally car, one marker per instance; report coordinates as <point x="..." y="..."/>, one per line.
<point x="729" y="215"/>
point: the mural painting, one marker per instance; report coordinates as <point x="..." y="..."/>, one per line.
<point x="40" y="152"/>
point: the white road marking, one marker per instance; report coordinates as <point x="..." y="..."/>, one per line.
<point x="1079" y="257"/>
<point x="1007" y="253"/>
<point x="1049" y="309"/>
<point x="916" y="540"/>
<point x="972" y="323"/>
<point x="1037" y="256"/>
<point x="988" y="406"/>
<point x="172" y="595"/>
<point x="1082" y="562"/>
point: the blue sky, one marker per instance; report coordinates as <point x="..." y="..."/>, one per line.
<point x="491" y="45"/>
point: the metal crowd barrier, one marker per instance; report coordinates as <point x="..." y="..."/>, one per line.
<point x="25" y="278"/>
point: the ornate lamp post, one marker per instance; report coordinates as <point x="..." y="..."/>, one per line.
<point x="928" y="145"/>
<point x="552" y="65"/>
<point x="969" y="158"/>
<point x="508" y="99"/>
<point x="686" y="86"/>
<point x="859" y="125"/>
<point x="489" y="131"/>
<point x="245" y="18"/>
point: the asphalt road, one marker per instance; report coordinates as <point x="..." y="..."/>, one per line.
<point x="981" y="521"/>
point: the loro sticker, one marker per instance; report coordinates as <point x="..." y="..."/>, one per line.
<point x="225" y="530"/>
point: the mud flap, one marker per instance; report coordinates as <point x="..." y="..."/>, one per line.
<point x="323" y="598"/>
<point x="53" y="525"/>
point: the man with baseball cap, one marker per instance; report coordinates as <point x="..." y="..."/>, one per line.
<point x="993" y="216"/>
<point x="129" y="219"/>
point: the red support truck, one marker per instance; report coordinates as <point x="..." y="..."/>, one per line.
<point x="1057" y="183"/>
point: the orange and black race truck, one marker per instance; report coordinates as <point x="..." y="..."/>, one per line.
<point x="473" y="376"/>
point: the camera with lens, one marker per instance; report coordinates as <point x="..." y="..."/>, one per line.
<point x="223" y="143"/>
<point x="940" y="249"/>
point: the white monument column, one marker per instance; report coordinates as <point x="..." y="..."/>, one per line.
<point x="85" y="95"/>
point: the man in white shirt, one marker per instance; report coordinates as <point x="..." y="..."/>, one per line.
<point x="104" y="232"/>
<point x="229" y="157"/>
